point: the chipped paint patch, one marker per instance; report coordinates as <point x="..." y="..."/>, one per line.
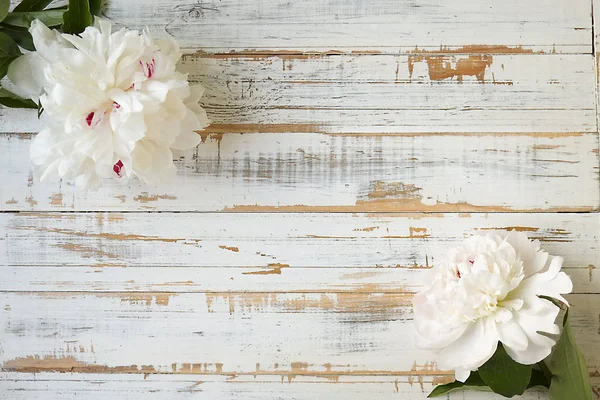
<point x="56" y="199"/>
<point x="513" y="228"/>
<point x="220" y="129"/>
<point x="234" y="249"/>
<point x="147" y="299"/>
<point x="29" y="200"/>
<point x="275" y="269"/>
<point x="448" y="67"/>
<point x="368" y="229"/>
<point x="70" y="364"/>
<point x="106" y="235"/>
<point x="146" y="198"/>
<point x="546" y="146"/>
<point x="85" y="251"/>
<point x="394" y="189"/>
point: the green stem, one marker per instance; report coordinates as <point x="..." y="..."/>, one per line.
<point x="546" y="371"/>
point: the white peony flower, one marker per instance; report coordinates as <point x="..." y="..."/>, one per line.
<point x="487" y="291"/>
<point x="116" y="104"/>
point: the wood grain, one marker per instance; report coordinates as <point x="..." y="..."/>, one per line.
<point x="363" y="333"/>
<point x="276" y="172"/>
<point x="271" y="242"/>
<point x="422" y="92"/>
<point x="352" y="144"/>
<point x="353" y="25"/>
<point x="69" y="386"/>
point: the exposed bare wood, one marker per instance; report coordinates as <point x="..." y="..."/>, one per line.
<point x="294" y="240"/>
<point x="417" y="93"/>
<point x="301" y="172"/>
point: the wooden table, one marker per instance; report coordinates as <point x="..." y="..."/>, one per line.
<point x="353" y="142"/>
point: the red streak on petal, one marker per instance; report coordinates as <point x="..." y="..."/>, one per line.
<point x="116" y="105"/>
<point x="148" y="68"/>
<point x="458" y="274"/>
<point x="89" y="118"/>
<point x="117" y="168"/>
<point x="472" y="262"/>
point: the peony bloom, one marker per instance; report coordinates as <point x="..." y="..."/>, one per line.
<point x="116" y="105"/>
<point x="488" y="291"/>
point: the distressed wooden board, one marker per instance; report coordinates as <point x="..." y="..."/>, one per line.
<point x="354" y="25"/>
<point x="69" y="386"/>
<point x="322" y="335"/>
<point x="422" y="92"/>
<point x="274" y="241"/>
<point x="237" y="279"/>
<point x="459" y="111"/>
<point x="278" y="172"/>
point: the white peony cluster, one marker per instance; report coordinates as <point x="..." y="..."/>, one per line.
<point x="488" y="291"/>
<point x="116" y="104"/>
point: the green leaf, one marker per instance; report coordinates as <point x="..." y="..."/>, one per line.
<point x="504" y="375"/>
<point x="4" y="7"/>
<point x="476" y="383"/>
<point x="50" y="18"/>
<point x="77" y="17"/>
<point x="21" y="36"/>
<point x="570" y="376"/>
<point x="32" y="5"/>
<point x="473" y="382"/>
<point x="95" y="6"/>
<point x="538" y="379"/>
<point x="40" y="109"/>
<point x="10" y="99"/>
<point x="9" y="51"/>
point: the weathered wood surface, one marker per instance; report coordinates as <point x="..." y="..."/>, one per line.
<point x="270" y="240"/>
<point x="273" y="172"/>
<point x="422" y="92"/>
<point x="291" y="253"/>
<point x="354" y="25"/>
<point x="69" y="386"/>
<point x="352" y="143"/>
<point x="203" y="266"/>
<point x="231" y="334"/>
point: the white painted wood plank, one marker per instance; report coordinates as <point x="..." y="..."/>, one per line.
<point x="270" y="240"/>
<point x="307" y="171"/>
<point x="226" y="279"/>
<point x="421" y="92"/>
<point x="349" y="25"/>
<point x="322" y="335"/>
<point x="74" y="386"/>
<point x="69" y="386"/>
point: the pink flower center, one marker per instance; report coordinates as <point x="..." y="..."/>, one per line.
<point x="89" y="118"/>
<point x="117" y="168"/>
<point x="472" y="262"/>
<point x="116" y="105"/>
<point x="148" y="68"/>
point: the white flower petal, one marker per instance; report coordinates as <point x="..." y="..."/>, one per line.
<point x="462" y="374"/>
<point x="27" y="72"/>
<point x="186" y="140"/>
<point x="529" y="252"/>
<point x="116" y="104"/>
<point x="512" y="336"/>
<point x="477" y="345"/>
<point x="491" y="285"/>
